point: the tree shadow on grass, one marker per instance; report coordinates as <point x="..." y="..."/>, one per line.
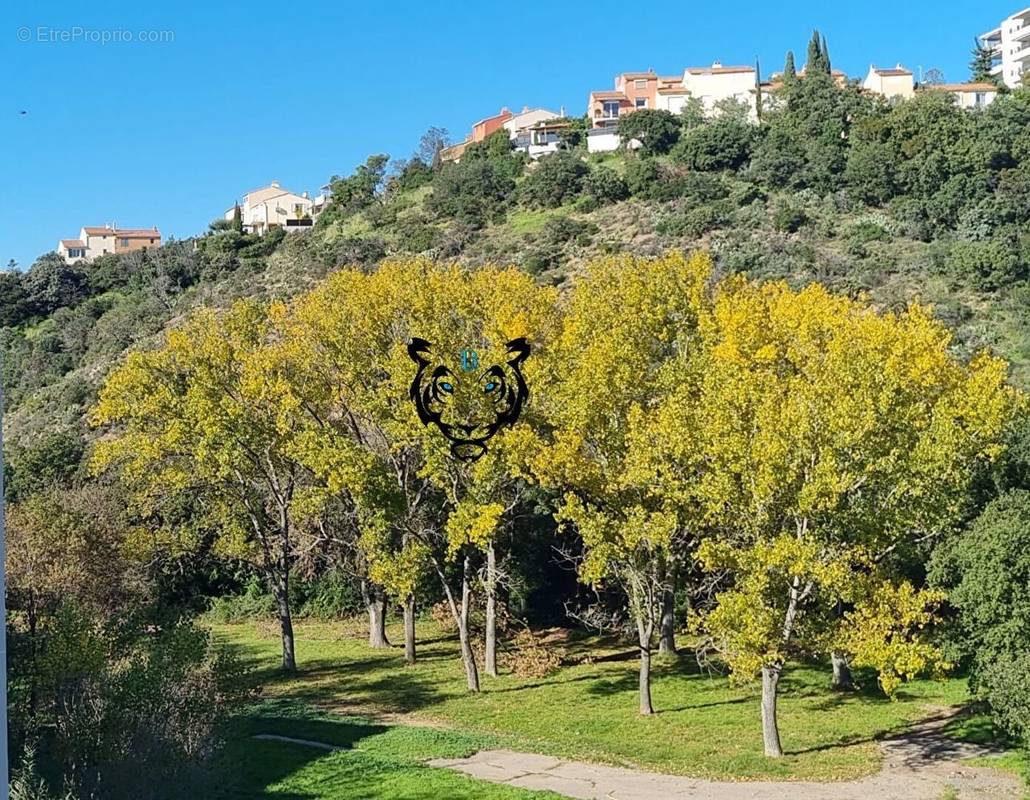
<point x="247" y="767"/>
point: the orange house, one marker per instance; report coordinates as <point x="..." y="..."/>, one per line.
<point x="485" y="127"/>
<point x="633" y="91"/>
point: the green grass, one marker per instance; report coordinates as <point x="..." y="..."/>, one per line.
<point x="704" y="727"/>
<point x="381" y="761"/>
<point x="980" y="728"/>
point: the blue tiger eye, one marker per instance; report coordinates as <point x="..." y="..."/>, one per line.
<point x="447" y="387"/>
<point x="490" y="387"/>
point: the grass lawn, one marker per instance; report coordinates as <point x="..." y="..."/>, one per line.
<point x="704" y="726"/>
<point x="385" y="762"/>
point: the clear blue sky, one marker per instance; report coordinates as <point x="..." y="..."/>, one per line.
<point x="171" y="133"/>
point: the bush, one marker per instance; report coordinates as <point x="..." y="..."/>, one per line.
<point x="474" y="191"/>
<point x="256" y="602"/>
<point x="788" y="218"/>
<point x="605" y="185"/>
<point x="649" y="180"/>
<point x="984" y="265"/>
<point x="1005" y="684"/>
<point x="129" y="709"/>
<point x="723" y="143"/>
<point x="657" y="131"/>
<point x="695" y="222"/>
<point x="558" y="177"/>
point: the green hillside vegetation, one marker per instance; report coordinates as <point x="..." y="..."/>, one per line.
<point x="851" y="201"/>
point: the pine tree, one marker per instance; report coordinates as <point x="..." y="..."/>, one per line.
<point x="980" y="66"/>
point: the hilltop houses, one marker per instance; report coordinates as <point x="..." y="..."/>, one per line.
<point x="273" y="206"/>
<point x="528" y="130"/>
<point x="967" y="95"/>
<point x="634" y="91"/>
<point x="96" y="241"/>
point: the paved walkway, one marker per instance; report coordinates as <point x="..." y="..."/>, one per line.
<point x="918" y="765"/>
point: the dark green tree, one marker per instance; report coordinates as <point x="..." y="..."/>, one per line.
<point x="656" y="130"/>
<point x="790" y="72"/>
<point x="237" y="218"/>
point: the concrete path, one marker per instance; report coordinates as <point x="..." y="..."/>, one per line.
<point x="918" y="765"/>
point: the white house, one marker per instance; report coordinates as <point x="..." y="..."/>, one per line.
<point x="1009" y="44"/>
<point x="527" y="118"/>
<point x="273" y="207"/>
<point x="890" y="82"/>
<point x="715" y="84"/>
<point x="101" y="240"/>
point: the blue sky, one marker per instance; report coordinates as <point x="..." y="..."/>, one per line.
<point x="171" y="133"/>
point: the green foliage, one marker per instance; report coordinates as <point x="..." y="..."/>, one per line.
<point x="788" y="218"/>
<point x="474" y="191"/>
<point x="656" y="130"/>
<point x="556" y="179"/>
<point x="723" y="143"/>
<point x="605" y="185"/>
<point x="357" y="191"/>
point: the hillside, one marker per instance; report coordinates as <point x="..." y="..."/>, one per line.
<point x="919" y="200"/>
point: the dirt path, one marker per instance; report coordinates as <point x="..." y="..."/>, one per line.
<point x="919" y="764"/>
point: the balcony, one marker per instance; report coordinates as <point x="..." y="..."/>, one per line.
<point x="1021" y="34"/>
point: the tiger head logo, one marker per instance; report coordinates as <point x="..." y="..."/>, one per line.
<point x="470" y="406"/>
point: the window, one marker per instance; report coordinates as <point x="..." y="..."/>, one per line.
<point x="640" y="83"/>
<point x="611" y="108"/>
<point x="123" y="242"/>
<point x="981" y="99"/>
<point x="76" y="252"/>
<point x="641" y="102"/>
<point x="298" y="209"/>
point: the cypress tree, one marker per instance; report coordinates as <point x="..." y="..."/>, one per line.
<point x="789" y="72"/>
<point x="815" y="54"/>
<point x="826" y="58"/>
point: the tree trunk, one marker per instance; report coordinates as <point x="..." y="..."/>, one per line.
<point x="467" y="656"/>
<point x="667" y="628"/>
<point x="491" y="611"/>
<point x="375" y="601"/>
<point x="281" y="591"/>
<point x="644" y="633"/>
<point x="842" y="680"/>
<point x="770" y="727"/>
<point x="409" y="629"/>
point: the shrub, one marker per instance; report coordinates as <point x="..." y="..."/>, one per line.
<point x="985" y="265"/>
<point x="474" y="191"/>
<point x="649" y="180"/>
<point x="256" y="602"/>
<point x="605" y="185"/>
<point x="558" y="177"/>
<point x="695" y="222"/>
<point x="656" y="130"/>
<point x="788" y="218"/>
<point x="723" y="143"/>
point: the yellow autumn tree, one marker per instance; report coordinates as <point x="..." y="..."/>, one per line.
<point x="629" y="328"/>
<point x="831" y="434"/>
<point x="211" y="413"/>
<point x="420" y="509"/>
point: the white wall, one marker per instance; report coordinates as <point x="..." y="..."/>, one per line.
<point x="602" y="142"/>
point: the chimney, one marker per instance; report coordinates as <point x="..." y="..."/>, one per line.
<point x="525" y="109"/>
<point x="716" y="64"/>
<point x="304" y="195"/>
<point x="561" y="112"/>
<point x="275" y="184"/>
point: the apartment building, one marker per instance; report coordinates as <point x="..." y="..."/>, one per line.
<point x="101" y="240"/>
<point x="890" y="82"/>
<point x="717" y="83"/>
<point x="633" y="91"/>
<point x="273" y="206"/>
<point x="1009" y="44"/>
